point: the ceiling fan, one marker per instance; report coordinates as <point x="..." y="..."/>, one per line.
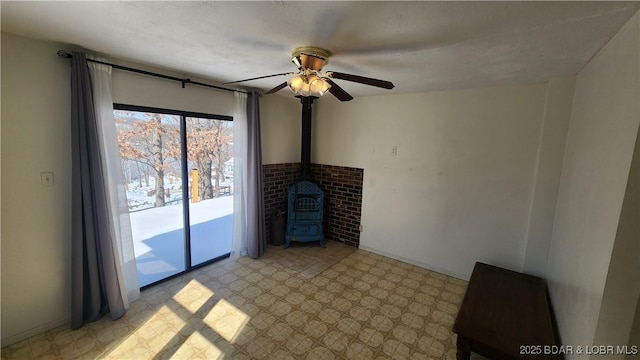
<point x="309" y="80"/>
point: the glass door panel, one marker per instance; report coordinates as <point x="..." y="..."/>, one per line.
<point x="151" y="162"/>
<point x="210" y="171"/>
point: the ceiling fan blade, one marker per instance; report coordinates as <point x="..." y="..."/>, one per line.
<point x="259" y="77"/>
<point x="338" y="92"/>
<point x="277" y="88"/>
<point x="362" y="80"/>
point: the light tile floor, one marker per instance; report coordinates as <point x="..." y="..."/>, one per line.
<point x="365" y="306"/>
<point x="308" y="259"/>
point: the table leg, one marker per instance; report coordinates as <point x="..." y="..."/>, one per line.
<point x="464" y="348"/>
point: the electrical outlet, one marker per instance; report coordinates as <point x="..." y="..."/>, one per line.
<point x="46" y="178"/>
<point x="361" y="228"/>
<point x="394" y="150"/>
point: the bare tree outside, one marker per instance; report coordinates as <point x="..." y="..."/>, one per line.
<point x="209" y="148"/>
<point x="151" y="143"/>
<point x="150" y="148"/>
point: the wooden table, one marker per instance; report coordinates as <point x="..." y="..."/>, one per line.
<point x="505" y="315"/>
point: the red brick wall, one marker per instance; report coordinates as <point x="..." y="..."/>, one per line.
<point x="342" y="188"/>
<point x="277" y="180"/>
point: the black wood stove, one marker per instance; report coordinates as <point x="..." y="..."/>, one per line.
<point x="305" y="200"/>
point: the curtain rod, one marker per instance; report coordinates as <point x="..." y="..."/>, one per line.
<point x="66" y="55"/>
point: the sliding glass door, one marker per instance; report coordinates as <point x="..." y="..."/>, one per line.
<point x="210" y="162"/>
<point x="178" y="170"/>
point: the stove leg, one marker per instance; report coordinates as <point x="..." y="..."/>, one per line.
<point x="322" y="243"/>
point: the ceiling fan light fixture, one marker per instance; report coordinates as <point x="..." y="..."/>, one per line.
<point x="308" y="85"/>
<point x="296" y="83"/>
<point x="318" y="86"/>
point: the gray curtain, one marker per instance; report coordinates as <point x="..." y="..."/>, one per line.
<point x="255" y="196"/>
<point x="95" y="288"/>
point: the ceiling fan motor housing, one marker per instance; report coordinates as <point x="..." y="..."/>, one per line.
<point x="310" y="57"/>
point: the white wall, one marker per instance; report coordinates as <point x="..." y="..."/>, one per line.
<point x="280" y="123"/>
<point x="600" y="142"/>
<point x="36" y="134"/>
<point x="460" y="187"/>
<point x="553" y="136"/>
<point x="36" y="220"/>
<point x="622" y="288"/>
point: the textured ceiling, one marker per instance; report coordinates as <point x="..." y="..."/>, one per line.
<point x="420" y="46"/>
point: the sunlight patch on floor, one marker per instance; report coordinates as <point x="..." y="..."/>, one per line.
<point x="151" y="337"/>
<point x="198" y="341"/>
<point x="227" y="320"/>
<point x="193" y="295"/>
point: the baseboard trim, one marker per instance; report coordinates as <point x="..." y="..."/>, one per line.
<point x="10" y="340"/>
<point x="415" y="262"/>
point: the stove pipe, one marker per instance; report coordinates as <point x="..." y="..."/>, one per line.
<point x="305" y="146"/>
